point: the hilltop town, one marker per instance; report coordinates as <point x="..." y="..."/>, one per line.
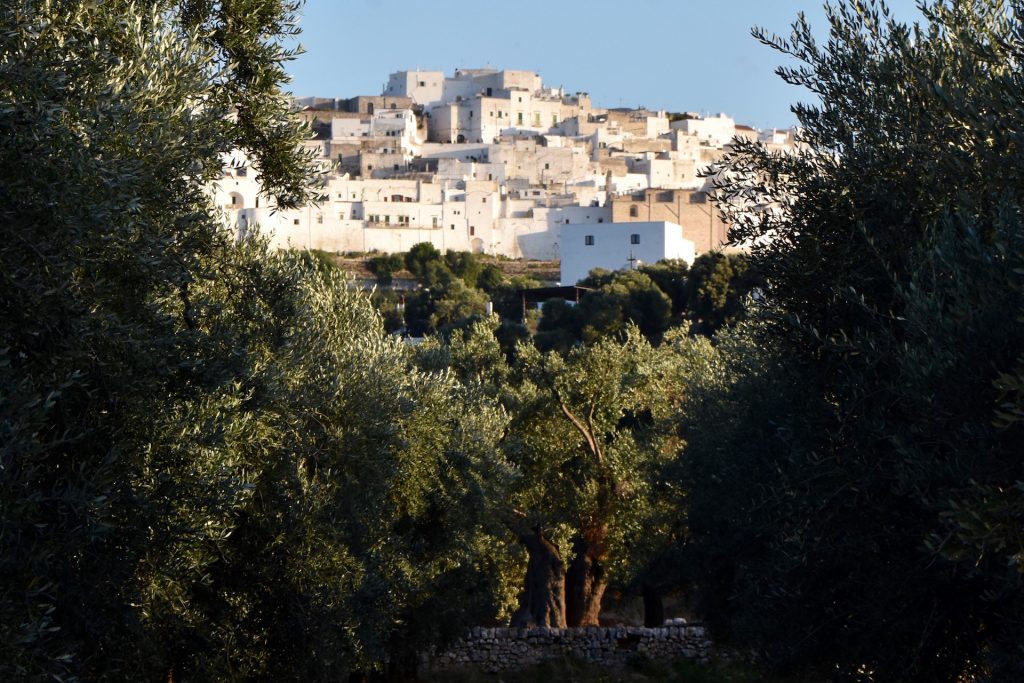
<point x="494" y="162"/>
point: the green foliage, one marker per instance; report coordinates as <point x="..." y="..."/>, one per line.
<point x="589" y="434"/>
<point x="420" y="256"/>
<point x="465" y="265"/>
<point x="490" y="278"/>
<point x="318" y="259"/>
<point x="192" y="484"/>
<point x="619" y="300"/>
<point x="854" y="476"/>
<point x="385" y="266"/>
<point x="670" y="277"/>
<point x="715" y="289"/>
<point x="105" y="159"/>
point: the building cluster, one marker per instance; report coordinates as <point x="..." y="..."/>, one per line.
<point x="494" y="162"/>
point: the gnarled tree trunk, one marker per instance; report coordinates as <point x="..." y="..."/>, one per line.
<point x="542" y="602"/>
<point x="585" y="581"/>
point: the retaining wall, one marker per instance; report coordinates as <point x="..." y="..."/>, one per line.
<point x="501" y="649"/>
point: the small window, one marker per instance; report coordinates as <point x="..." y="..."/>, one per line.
<point x="634" y="238"/>
<point x="453" y="226"/>
<point x="433" y="222"/>
<point x="588" y="240"/>
<point x="519" y="118"/>
<point x="295" y="221"/>
<point x="472" y="230"/>
<point x="320" y="218"/>
<point x="634" y="211"/>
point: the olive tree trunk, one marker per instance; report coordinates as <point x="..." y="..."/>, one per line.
<point x="542" y="602"/>
<point x="585" y="583"/>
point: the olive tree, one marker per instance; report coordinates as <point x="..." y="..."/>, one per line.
<point x="852" y="483"/>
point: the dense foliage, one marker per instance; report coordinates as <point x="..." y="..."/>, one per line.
<point x="855" y="469"/>
<point x="217" y="463"/>
<point x="192" y="486"/>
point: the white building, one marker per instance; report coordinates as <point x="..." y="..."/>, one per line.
<point x="714" y="131"/>
<point x="619" y="246"/>
<point x="511" y="168"/>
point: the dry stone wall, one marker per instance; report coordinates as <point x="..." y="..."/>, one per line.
<point x="501" y="649"/>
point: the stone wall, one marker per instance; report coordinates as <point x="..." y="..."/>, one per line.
<point x="500" y="649"/>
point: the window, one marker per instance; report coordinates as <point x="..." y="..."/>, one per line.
<point x="472" y="230"/>
<point x="453" y="226"/>
<point x="634" y="238"/>
<point x="554" y="119"/>
<point x="320" y="218"/>
<point x="634" y="211"/>
<point x="547" y="166"/>
<point x="536" y="119"/>
<point x="433" y="222"/>
<point x="423" y="84"/>
<point x="387" y="220"/>
<point x="295" y="221"/>
<point x="588" y="240"/>
<point x="519" y="118"/>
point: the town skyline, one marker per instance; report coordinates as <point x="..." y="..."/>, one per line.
<point x="662" y="55"/>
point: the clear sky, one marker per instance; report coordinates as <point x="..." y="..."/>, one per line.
<point x="679" y="55"/>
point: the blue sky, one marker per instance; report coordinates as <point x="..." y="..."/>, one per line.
<point x="680" y="55"/>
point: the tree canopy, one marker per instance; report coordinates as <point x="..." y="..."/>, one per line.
<point x="853" y="479"/>
<point x="192" y="486"/>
